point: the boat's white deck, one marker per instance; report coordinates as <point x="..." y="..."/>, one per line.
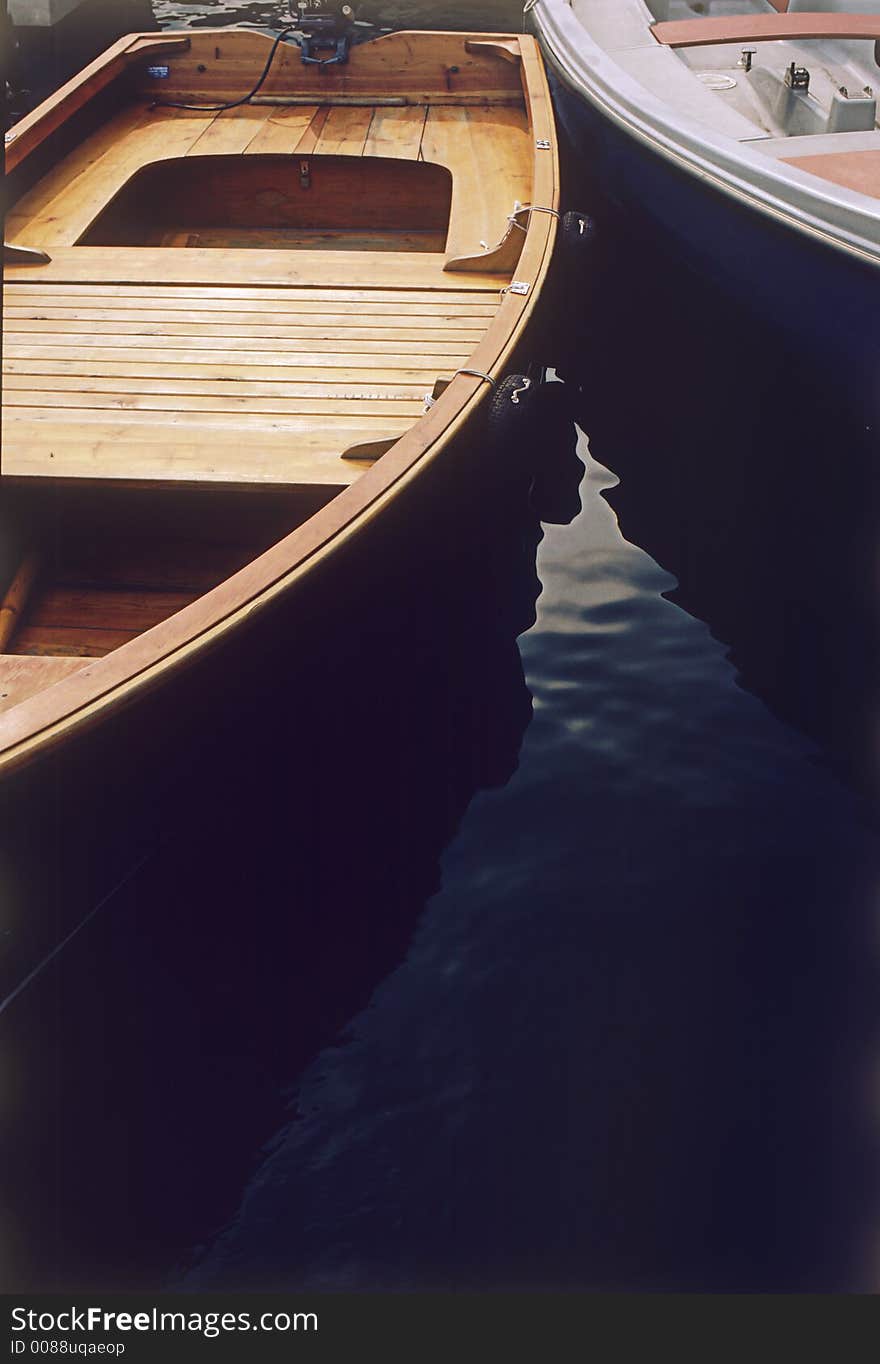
<point x="752" y="106"/>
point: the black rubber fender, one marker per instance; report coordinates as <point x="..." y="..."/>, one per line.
<point x="510" y="415"/>
<point x="578" y="236"/>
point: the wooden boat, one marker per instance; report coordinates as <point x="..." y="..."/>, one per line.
<point x="236" y="338"/>
<point x="747" y="131"/>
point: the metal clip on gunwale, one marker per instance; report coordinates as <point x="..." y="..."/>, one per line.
<point x="531" y="208"/>
<point x="475" y="374"/>
<point x="431" y="399"/>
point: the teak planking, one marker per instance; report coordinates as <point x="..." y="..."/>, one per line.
<point x="298" y="363"/>
<point x="764" y="28"/>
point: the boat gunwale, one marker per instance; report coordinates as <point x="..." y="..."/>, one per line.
<point x="735" y="169"/>
<point x="38" y="724"/>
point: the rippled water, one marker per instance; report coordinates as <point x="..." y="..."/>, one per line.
<point x="465" y="14"/>
<point x="564" y="973"/>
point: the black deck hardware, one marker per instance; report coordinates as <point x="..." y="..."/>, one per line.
<point x="326" y="29"/>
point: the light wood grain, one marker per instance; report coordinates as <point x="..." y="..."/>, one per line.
<point x="419" y="67"/>
<point x="396" y="132"/>
<point x="233" y="311"/>
<point x="197" y="268"/>
<point x="62" y="220"/>
<point x="336" y="404"/>
<point x="156" y="415"/>
<point x="336" y="327"/>
<point x="345" y="132"/>
<point x="467" y="141"/>
<point x="283" y="130"/>
<point x="22" y="676"/>
<point x="331" y="369"/>
<point x="244" y="295"/>
<point x="231" y="132"/>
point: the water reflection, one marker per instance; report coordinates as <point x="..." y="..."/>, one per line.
<point x="489" y="15"/>
<point x="285" y="883"/>
<point x="751" y="477"/>
<point x="632" y="1042"/>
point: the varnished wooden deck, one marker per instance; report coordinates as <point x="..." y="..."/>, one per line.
<point x="252" y="383"/>
<point x="148" y="386"/>
<point x="223" y="385"/>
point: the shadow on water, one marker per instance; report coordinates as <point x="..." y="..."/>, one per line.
<point x="633" y="1042"/>
<point x="283" y="883"/>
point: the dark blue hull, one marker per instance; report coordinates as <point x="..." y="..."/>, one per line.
<point x="822" y="300"/>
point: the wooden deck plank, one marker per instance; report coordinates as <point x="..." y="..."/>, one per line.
<point x="375" y="314"/>
<point x="72" y="401"/>
<point x="344" y="132"/>
<point x="283" y="130"/>
<point x="79" y="162"/>
<point x="331" y="326"/>
<point x="489" y="155"/>
<point x="158" y="135"/>
<point x="231" y="132"/>
<point x="341" y="391"/>
<point x="147" y="366"/>
<point x="311" y="354"/>
<point x="44" y="424"/>
<point x="199" y="266"/>
<point x="147" y="294"/>
<point x="310" y="138"/>
<point x="360" y="370"/>
<point x="397" y="132"/>
<point x="183" y="307"/>
<point x="113" y="454"/>
<point x="302" y="239"/>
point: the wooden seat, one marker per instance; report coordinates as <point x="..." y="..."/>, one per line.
<point x="225" y="385"/>
<point x="858" y="170"/>
<point x="760" y="28"/>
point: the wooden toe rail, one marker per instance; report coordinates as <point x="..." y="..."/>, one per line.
<point x="36" y="126"/>
<point x="764" y="28"/>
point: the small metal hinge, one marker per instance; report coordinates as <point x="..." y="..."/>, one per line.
<point x="543" y="144"/>
<point x="519" y="286"/>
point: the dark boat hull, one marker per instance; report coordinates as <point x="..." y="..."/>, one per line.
<point x="820" y="299"/>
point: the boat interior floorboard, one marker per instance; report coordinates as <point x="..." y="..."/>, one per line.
<point x="132" y="355"/>
<point x="217" y="321"/>
<point x="221" y="386"/>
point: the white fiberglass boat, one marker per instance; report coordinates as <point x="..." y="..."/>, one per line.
<point x="747" y="129"/>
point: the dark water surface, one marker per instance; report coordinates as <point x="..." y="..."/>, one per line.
<point x="538" y="964"/>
